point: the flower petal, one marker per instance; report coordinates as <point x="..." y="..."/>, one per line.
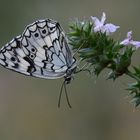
<point x="125" y="42"/>
<point x="129" y="35"/>
<point x="103" y="18"/>
<point x="135" y="44"/>
<point x="110" y="28"/>
<point x="97" y="29"/>
<point x="96" y="21"/>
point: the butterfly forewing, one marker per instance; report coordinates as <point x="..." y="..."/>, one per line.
<point x="41" y="51"/>
<point x="12" y="56"/>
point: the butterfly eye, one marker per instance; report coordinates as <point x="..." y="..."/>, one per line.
<point x="36" y="34"/>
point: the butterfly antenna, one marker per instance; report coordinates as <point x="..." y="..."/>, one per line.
<point x="61" y="90"/>
<point x="66" y="93"/>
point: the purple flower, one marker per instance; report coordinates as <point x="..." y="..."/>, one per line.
<point x="100" y="26"/>
<point x="129" y="41"/>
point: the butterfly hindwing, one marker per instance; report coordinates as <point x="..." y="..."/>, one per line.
<point x="42" y="51"/>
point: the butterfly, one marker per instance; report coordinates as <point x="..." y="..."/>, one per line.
<point x="42" y="51"/>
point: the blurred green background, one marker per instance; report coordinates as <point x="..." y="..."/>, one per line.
<point x="100" y="108"/>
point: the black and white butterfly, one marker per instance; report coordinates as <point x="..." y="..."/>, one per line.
<point x="42" y="50"/>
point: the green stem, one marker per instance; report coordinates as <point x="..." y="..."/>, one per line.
<point x="129" y="73"/>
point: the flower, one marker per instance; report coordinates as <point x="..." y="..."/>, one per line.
<point x="129" y="41"/>
<point x="100" y="26"/>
